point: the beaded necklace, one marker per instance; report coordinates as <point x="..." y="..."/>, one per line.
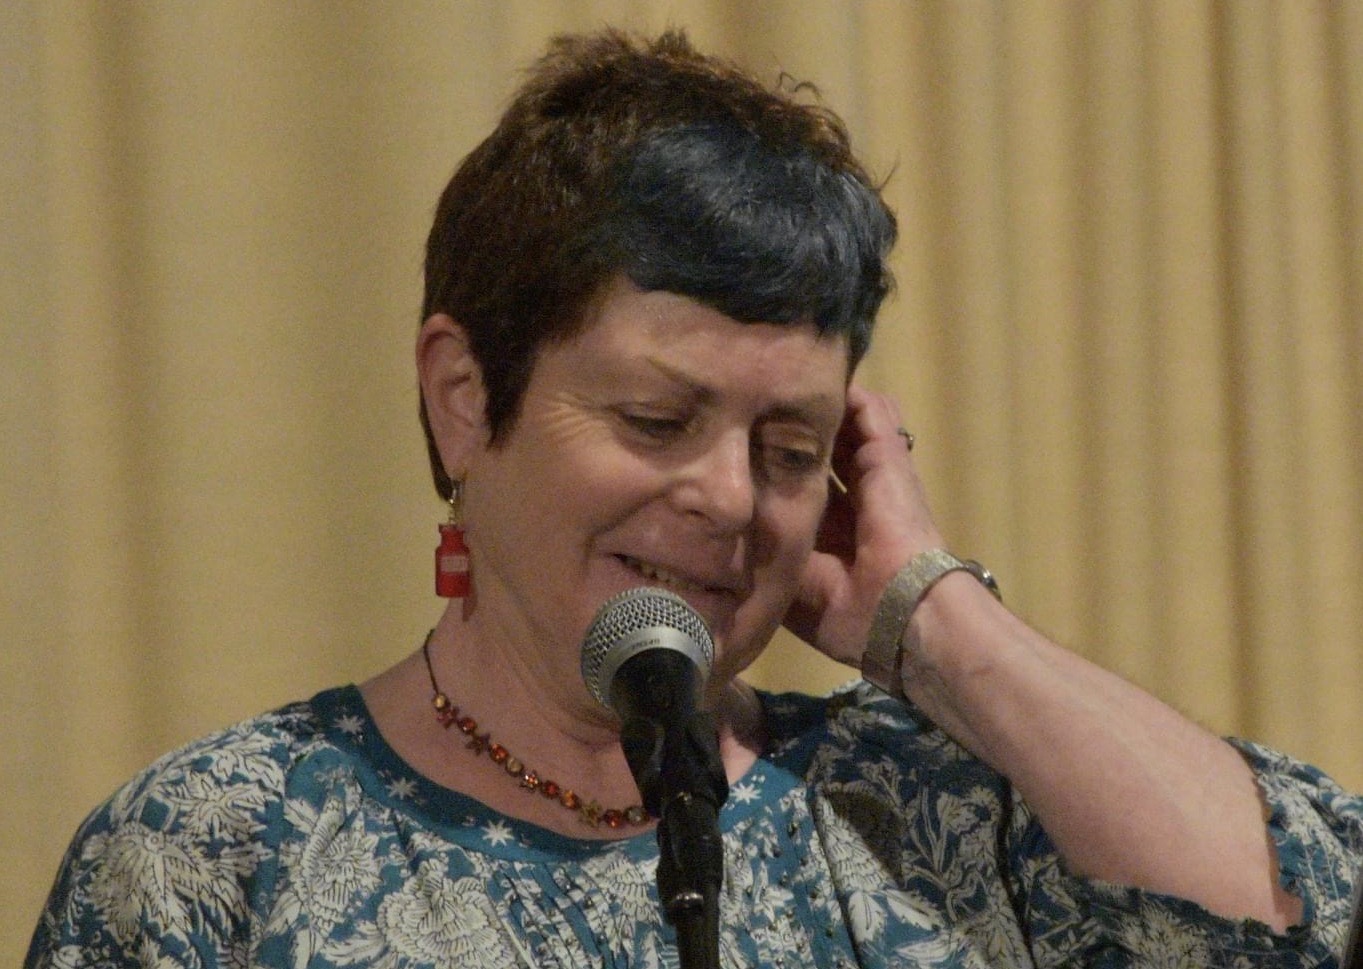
<point x="589" y="812"/>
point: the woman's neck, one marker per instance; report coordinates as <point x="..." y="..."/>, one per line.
<point x="550" y="728"/>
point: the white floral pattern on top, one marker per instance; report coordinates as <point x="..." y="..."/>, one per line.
<point x="864" y="837"/>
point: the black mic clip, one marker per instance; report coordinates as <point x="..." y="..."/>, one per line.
<point x="672" y="748"/>
<point x="689" y="788"/>
<point x="673" y="751"/>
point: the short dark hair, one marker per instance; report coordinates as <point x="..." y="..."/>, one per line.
<point x="644" y="158"/>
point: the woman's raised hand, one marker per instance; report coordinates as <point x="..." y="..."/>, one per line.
<point x="869" y="531"/>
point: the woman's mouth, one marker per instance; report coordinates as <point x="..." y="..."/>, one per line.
<point x="665" y="577"/>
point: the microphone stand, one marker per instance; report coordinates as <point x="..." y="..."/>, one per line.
<point x="681" y="779"/>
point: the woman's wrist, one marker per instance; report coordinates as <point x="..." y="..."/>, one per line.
<point x="891" y="636"/>
<point x="953" y="632"/>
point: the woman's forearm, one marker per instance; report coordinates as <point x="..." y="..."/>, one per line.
<point x="1129" y="790"/>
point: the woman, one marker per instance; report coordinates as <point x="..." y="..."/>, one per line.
<point x="647" y="293"/>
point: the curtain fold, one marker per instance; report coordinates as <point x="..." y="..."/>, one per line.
<point x="1126" y="332"/>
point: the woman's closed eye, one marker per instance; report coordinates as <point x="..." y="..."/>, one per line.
<point x="791" y="455"/>
<point x="655" y="427"/>
<point x="777" y="453"/>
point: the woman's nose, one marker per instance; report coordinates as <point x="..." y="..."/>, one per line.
<point x="719" y="484"/>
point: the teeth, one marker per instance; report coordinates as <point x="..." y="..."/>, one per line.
<point x="655" y="574"/>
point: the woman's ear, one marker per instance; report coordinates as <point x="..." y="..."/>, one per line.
<point x="452" y="392"/>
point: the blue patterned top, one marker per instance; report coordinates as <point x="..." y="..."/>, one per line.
<point x="863" y="837"/>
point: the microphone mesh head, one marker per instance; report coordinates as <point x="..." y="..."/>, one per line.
<point x="629" y="613"/>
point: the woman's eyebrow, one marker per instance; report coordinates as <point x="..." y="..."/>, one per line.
<point x="694" y="385"/>
<point x="816" y="406"/>
<point x="822" y="411"/>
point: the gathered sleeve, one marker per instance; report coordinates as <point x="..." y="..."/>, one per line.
<point x="1317" y="829"/>
<point x="916" y="824"/>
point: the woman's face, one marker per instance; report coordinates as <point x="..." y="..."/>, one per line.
<point x="666" y="445"/>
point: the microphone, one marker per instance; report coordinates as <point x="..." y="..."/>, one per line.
<point x="646" y="656"/>
<point x="637" y="621"/>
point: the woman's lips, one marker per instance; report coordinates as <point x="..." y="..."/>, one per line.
<point x="675" y="580"/>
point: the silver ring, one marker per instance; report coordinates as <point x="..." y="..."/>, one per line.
<point x="908" y="438"/>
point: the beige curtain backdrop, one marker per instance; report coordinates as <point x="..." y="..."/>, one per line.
<point x="1127" y="335"/>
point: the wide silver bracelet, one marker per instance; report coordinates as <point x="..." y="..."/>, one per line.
<point x="880" y="664"/>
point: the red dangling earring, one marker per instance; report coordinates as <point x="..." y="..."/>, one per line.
<point x="452" y="555"/>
